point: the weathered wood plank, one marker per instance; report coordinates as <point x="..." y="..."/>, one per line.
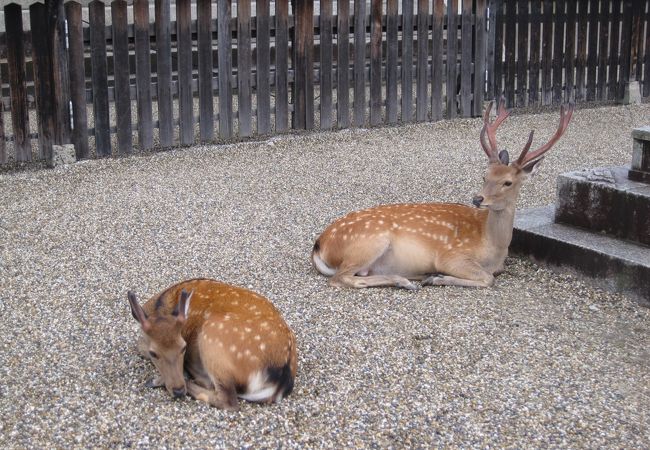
<point x="480" y="41"/>
<point x="99" y="77"/>
<point x="569" y="51"/>
<point x="304" y="80"/>
<point x="491" y="48"/>
<point x="466" y="59"/>
<point x="407" y="60"/>
<point x="326" y="49"/>
<point x="534" y="58"/>
<point x="422" y="61"/>
<point x="522" y="53"/>
<point x="436" y="59"/>
<point x="613" y="60"/>
<point x="61" y="84"/>
<point x="343" y="64"/>
<point x="359" y="115"/>
<point x="121" y="75"/>
<point x="17" y="81"/>
<point x="646" y="56"/>
<point x="592" y="52"/>
<point x="164" y="72"/>
<point x="281" y="65"/>
<point x="375" y="62"/>
<point x="184" y="69"/>
<point x="510" y="41"/>
<point x="626" y="47"/>
<point x="581" y="51"/>
<point x="602" y="51"/>
<point x="558" y="50"/>
<point x="547" y="54"/>
<point x="452" y="54"/>
<point x="392" y="49"/>
<point x="43" y="80"/>
<point x="244" y="63"/>
<point x="499" y="66"/>
<point x="143" y="73"/>
<point x="263" y="89"/>
<point x="77" y="79"/>
<point x="204" y="43"/>
<point x="224" y="37"/>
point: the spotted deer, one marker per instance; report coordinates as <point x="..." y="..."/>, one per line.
<point x="437" y="243"/>
<point x="230" y="341"/>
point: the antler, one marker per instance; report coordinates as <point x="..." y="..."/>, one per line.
<point x="565" y="118"/>
<point x="490" y="129"/>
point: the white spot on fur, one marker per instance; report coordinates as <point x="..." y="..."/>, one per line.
<point x="262" y="346"/>
<point x="233" y="348"/>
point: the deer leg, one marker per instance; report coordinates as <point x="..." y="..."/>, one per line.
<point x="359" y="260"/>
<point x="221" y="397"/>
<point x="460" y="272"/>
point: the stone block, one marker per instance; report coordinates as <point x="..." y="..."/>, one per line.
<point x="605" y="200"/>
<point x="640" y="170"/>
<point x="613" y="263"/>
<point x="632" y="94"/>
<point x="63" y="154"/>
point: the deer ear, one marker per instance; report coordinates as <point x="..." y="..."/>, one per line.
<point x="532" y="167"/>
<point x="504" y="157"/>
<point x="137" y="311"/>
<point x="183" y="306"/>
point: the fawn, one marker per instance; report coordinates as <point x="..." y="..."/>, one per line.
<point x="437" y="243"/>
<point x="231" y="342"/>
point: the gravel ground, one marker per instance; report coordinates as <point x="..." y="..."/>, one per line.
<point x="538" y="360"/>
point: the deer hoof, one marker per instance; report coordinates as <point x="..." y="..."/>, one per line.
<point x="408" y="285"/>
<point x="433" y="280"/>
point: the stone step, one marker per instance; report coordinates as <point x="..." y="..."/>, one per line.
<point x="605" y="200"/>
<point x="615" y="264"/>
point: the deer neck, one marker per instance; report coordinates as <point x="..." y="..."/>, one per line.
<point x="498" y="227"/>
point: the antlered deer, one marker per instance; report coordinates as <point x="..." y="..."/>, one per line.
<point x="231" y="341"/>
<point x="438" y="243"/>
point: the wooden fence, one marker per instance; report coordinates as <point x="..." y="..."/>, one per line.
<point x="109" y="84"/>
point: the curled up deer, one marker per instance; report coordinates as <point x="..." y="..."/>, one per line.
<point x="437" y="243"/>
<point x="230" y="341"/>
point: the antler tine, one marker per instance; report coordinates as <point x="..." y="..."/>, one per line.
<point x="565" y="118"/>
<point x="486" y="123"/>
<point x="490" y="129"/>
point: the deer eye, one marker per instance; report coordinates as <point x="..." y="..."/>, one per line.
<point x="154" y="355"/>
<point x="508" y="183"/>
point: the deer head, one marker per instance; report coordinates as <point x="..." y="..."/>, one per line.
<point x="162" y="341"/>
<point x="503" y="179"/>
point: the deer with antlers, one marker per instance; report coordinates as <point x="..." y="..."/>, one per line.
<point x="437" y="243"/>
<point x="231" y="342"/>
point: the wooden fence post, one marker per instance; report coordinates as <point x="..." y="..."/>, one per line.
<point x="303" y="66"/>
<point x="479" y="58"/>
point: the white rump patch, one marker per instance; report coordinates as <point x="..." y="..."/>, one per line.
<point x="322" y="267"/>
<point x="258" y="390"/>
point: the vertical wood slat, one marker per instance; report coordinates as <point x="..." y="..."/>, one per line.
<point x="204" y="44"/>
<point x="99" y="76"/>
<point x="244" y="63"/>
<point x="184" y="69"/>
<point x="375" y="62"/>
<point x="359" y="114"/>
<point x="479" y="58"/>
<point x="626" y="48"/>
<point x="121" y="74"/>
<point x="547" y="54"/>
<point x="466" y="59"/>
<point x="636" y="61"/>
<point x="326" y="65"/>
<point x="602" y="51"/>
<point x="164" y="72"/>
<point x="534" y="61"/>
<point x="491" y="49"/>
<point x="522" y="53"/>
<point x="613" y="59"/>
<point x="407" y="60"/>
<point x="646" y="56"/>
<point x="17" y="81"/>
<point x="391" y="60"/>
<point x="143" y="73"/>
<point x="303" y="70"/>
<point x="281" y="64"/>
<point x="569" y="51"/>
<point x="436" y="59"/>
<point x="592" y="52"/>
<point x="61" y="71"/>
<point x="43" y="80"/>
<point x="581" y="51"/>
<point x="263" y="67"/>
<point x="498" y="49"/>
<point x="77" y="79"/>
<point x="342" y="64"/>
<point x="3" y="145"/>
<point x="452" y="52"/>
<point x="421" y="100"/>
<point x="225" y="67"/>
<point x="558" y="50"/>
<point x="510" y="41"/>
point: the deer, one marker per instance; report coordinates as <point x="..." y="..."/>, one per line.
<point x="232" y="343"/>
<point x="435" y="243"/>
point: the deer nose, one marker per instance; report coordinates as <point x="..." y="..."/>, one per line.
<point x="179" y="392"/>
<point x="478" y="200"/>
